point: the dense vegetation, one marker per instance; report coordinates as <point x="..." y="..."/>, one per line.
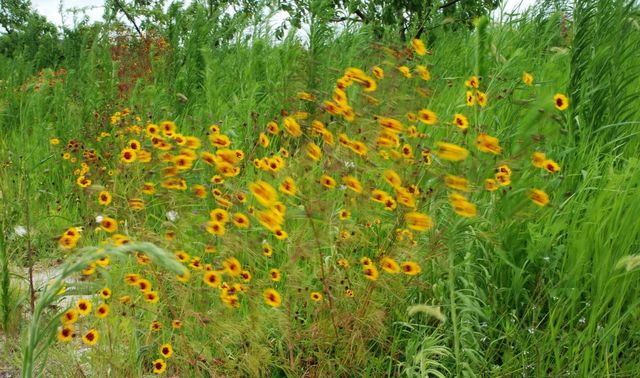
<point x="411" y="190"/>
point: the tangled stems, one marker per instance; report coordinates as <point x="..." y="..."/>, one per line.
<point x="39" y="338"/>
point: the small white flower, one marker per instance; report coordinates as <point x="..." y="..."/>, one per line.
<point x="349" y="164"/>
<point x="172" y="215"/>
<point x="99" y="219"/>
<point x="20" y="230"/>
<point x="342" y="187"/>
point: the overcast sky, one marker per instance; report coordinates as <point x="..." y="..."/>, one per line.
<point x="51" y="8"/>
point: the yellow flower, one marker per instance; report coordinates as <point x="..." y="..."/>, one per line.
<point x="315" y="296"/>
<point x="473" y="82"/>
<point x="232" y="266"/>
<point x="462" y="206"/>
<point x="471" y="100"/>
<point x="551" y="166"/>
<point x="314" y="151"/>
<point x="450" y="151"/>
<point x="212" y="278"/>
<point x="128" y="155"/>
<point x="90" y="337"/>
<point x="275" y="275"/>
<point x="410" y="268"/>
<point x="292" y="127"/>
<point x="83" y="306"/>
<point x="489" y="144"/>
<point x="159" y="366"/>
<point x="406" y="71"/>
<point x="538" y="159"/>
<point x="54" y="141"/>
<point x="378" y="72"/>
<point x="418" y="46"/>
<point x="491" y="185"/>
<point x="527" y="78"/>
<point x="460" y="121"/>
<point x="423" y="72"/>
<point x="66" y="333"/>
<point x="457" y="183"/>
<point x="272" y="298"/>
<point x="264" y="193"/>
<point x="166" y="350"/>
<point x="427" y="116"/>
<point x="102" y="311"/>
<point x="560" y="101"/>
<point x="352" y="183"/>
<point x="370" y="272"/>
<point x="69" y="317"/>
<point x="151" y="297"/>
<point x="389" y="265"/>
<point x="418" y="221"/>
<point x="392" y="178"/>
<point x="539" y="197"/>
<point x="482" y="98"/>
<point x="109" y="224"/>
<point x="328" y="181"/>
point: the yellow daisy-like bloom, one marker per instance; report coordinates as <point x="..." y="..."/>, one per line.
<point x="159" y="366"/>
<point x="66" y="333"/>
<point x="539" y="197"/>
<point x="232" y="266"/>
<point x="69" y="317"/>
<point x="272" y="298"/>
<point x="344" y="263"/>
<point x="457" y="183"/>
<point x="109" y="224"/>
<point x="462" y="206"/>
<point x="410" y="268"/>
<point x="90" y="337"/>
<point x="489" y="144"/>
<point x="215" y="228"/>
<point x="470" y="98"/>
<point x="352" y="183"/>
<point x="315" y="296"/>
<point x="275" y="275"/>
<point x="538" y="159"/>
<point x="391" y="177"/>
<point x="264" y="193"/>
<point x="314" y="151"/>
<point x="54" y="141"/>
<point x="560" y="101"/>
<point x="240" y="220"/>
<point x="328" y="182"/>
<point x="292" y="127"/>
<point x="527" y="78"/>
<point x="212" y="278"/>
<point x="273" y="128"/>
<point x="104" y="198"/>
<point x="67" y="242"/>
<point x="151" y="297"/>
<point x="83" y="306"/>
<point x="418" y="46"/>
<point x="418" y="221"/>
<point x="102" y="311"/>
<point x="166" y="350"/>
<point x="491" y="185"/>
<point x="344" y="214"/>
<point x="482" y="98"/>
<point x="405" y="71"/>
<point x="451" y="152"/>
<point x="378" y="72"/>
<point x="105" y="293"/>
<point x="370" y="272"/>
<point x="427" y="116"/>
<point x="473" y="82"/>
<point x="176" y="324"/>
<point x="551" y="166"/>
<point x="128" y="155"/>
<point x="423" y="72"/>
<point x="263" y="139"/>
<point x="288" y="186"/>
<point x="389" y="265"/>
<point x="460" y="121"/>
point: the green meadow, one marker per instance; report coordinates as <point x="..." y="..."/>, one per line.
<point x="192" y="190"/>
